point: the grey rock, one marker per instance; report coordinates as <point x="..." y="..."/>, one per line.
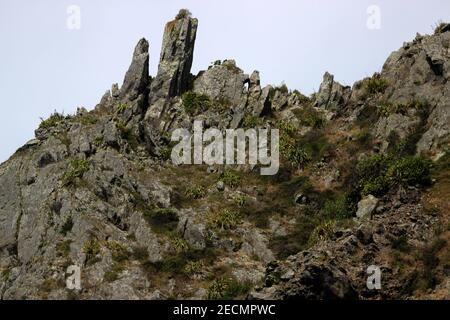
<point x="175" y="62"/>
<point x="225" y="81"/>
<point x="366" y="207"/>
<point x="332" y="94"/>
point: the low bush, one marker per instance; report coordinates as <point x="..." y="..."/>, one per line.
<point x="52" y="121"/>
<point x="77" y="169"/>
<point x="194" y="103"/>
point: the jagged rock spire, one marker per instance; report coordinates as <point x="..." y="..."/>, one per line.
<point x="137" y="77"/>
<point x="176" y="59"/>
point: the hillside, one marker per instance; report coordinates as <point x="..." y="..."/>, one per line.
<point x="364" y="180"/>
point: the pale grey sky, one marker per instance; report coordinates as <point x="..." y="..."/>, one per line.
<point x="45" y="66"/>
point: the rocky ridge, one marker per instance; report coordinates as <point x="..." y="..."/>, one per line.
<point x="355" y="189"/>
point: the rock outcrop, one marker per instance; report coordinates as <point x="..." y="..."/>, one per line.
<point x="175" y="63"/>
<point x="97" y="190"/>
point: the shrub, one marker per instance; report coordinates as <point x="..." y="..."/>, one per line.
<point x="241" y="200"/>
<point x="251" y="121"/>
<point x="230" y="179"/>
<point x="410" y="170"/>
<point x="310" y="117"/>
<point x="227" y="288"/>
<point x="376" y="174"/>
<point x="121" y="108"/>
<point x="179" y="245"/>
<point x="194" y="102"/>
<point x="183" y="13"/>
<point x="376" y="84"/>
<point x="63" y="248"/>
<point x="323" y="232"/>
<point x="441" y="27"/>
<point x="114" y="273"/>
<point x="78" y="168"/>
<point x="91" y="249"/>
<point x="52" y="121"/>
<point x="226" y="219"/>
<point x="118" y="252"/>
<point x="286" y="127"/>
<point x="88" y="119"/>
<point x="337" y="209"/>
<point x="387" y="108"/>
<point x="293" y="153"/>
<point x="194" y="267"/>
<point x="195" y="192"/>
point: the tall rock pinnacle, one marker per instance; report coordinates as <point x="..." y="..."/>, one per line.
<point x="137" y="77"/>
<point x="175" y="61"/>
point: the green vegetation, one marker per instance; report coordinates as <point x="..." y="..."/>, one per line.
<point x="323" y="232"/>
<point x="63" y="248"/>
<point x="67" y="226"/>
<point x="127" y="134"/>
<point x="121" y="108"/>
<point x="230" y="179"/>
<point x="387" y="108"/>
<point x="227" y="289"/>
<point x="376" y="84"/>
<point x="195" y="192"/>
<point x="376" y="174"/>
<point x="179" y="244"/>
<point x="78" y="167"/>
<point x="251" y="121"/>
<point x="91" y="249"/>
<point x="194" y="103"/>
<point x="119" y="253"/>
<point x="441" y="27"/>
<point x="194" y="267"/>
<point x="310" y="117"/>
<point x="88" y="119"/>
<point x="183" y="13"/>
<point x="241" y="200"/>
<point x="337" y="208"/>
<point x="52" y="121"/>
<point x="293" y="152"/>
<point x="225" y="219"/>
<point x="114" y="273"/>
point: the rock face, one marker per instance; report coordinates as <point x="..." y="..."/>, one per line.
<point x="137" y="78"/>
<point x="419" y="71"/>
<point x="97" y="189"/>
<point x="223" y="81"/>
<point x="175" y="62"/>
<point x="332" y="94"/>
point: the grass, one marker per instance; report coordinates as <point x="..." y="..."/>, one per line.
<point x="194" y="103"/>
<point x="225" y="219"/>
<point x="227" y="288"/>
<point x="376" y="85"/>
<point x="78" y="167"/>
<point x="440" y="27"/>
<point x="52" y="121"/>
<point x="387" y="108"/>
<point x="310" y="117"/>
<point x="230" y="179"/>
<point x="91" y="249"/>
<point x="121" y="108"/>
<point x="322" y="232"/>
<point x="114" y="273"/>
<point x="195" y="192"/>
<point x="63" y="248"/>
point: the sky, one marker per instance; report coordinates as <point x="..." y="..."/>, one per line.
<point x="60" y="55"/>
